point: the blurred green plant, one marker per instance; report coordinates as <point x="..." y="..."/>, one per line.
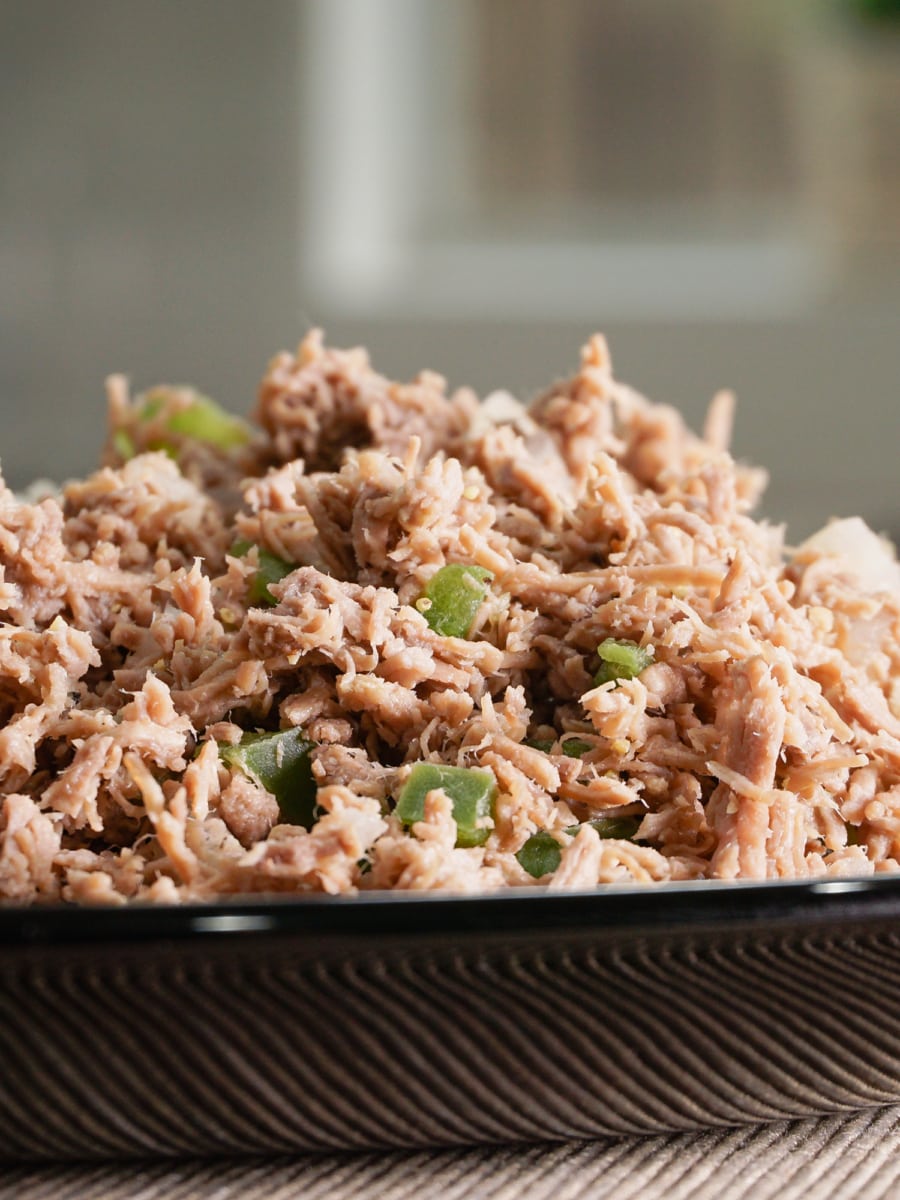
<point x="876" y="10"/>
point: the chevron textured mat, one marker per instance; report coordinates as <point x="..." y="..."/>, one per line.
<point x="168" y="1049"/>
<point x="854" y="1157"/>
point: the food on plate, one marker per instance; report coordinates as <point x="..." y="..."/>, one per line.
<point x="391" y="637"/>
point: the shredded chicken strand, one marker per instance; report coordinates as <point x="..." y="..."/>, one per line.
<point x="197" y="589"/>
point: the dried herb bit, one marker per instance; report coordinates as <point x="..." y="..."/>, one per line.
<point x="272" y="569"/>
<point x="470" y="791"/>
<point x="540" y="855"/>
<point x="455" y="594"/>
<point x="280" y="763"/>
<point x="621" y="659"/>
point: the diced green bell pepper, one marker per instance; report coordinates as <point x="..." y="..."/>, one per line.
<point x="164" y="446"/>
<point x="576" y="747"/>
<point x="621" y="659"/>
<point x="611" y="827"/>
<point x="571" y="747"/>
<point x="205" y="421"/>
<point x="541" y="853"/>
<point x="123" y="444"/>
<point x="452" y="597"/>
<point x="470" y="791"/>
<point x="280" y="763"/>
<point x="152" y="407"/>
<point x="272" y="569"/>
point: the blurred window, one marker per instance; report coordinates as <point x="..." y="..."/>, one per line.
<point x="563" y="157"/>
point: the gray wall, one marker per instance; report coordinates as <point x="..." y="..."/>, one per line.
<point x="148" y="208"/>
<point x="150" y="221"/>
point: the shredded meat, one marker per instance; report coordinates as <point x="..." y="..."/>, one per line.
<point x="198" y="590"/>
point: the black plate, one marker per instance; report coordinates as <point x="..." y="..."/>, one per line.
<point x="279" y="1025"/>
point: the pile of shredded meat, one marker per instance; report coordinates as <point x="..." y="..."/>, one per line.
<point x="758" y="735"/>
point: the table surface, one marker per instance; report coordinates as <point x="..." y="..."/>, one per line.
<point x="854" y="1156"/>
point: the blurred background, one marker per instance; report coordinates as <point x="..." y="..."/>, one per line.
<point x="470" y="185"/>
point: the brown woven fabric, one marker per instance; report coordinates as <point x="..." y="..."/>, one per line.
<point x="853" y="1157"/>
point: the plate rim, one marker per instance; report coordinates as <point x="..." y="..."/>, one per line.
<point x="715" y="904"/>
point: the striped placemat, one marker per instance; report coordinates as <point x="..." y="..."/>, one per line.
<point x="855" y="1157"/>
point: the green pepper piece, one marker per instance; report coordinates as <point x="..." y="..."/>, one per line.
<point x="621" y="659"/>
<point x="452" y="598"/>
<point x="470" y="791"/>
<point x="123" y="444"/>
<point x="152" y="407"/>
<point x="611" y="827"/>
<point x="280" y="763"/>
<point x="540" y="855"/>
<point x="272" y="569"/>
<point x="164" y="447"/>
<point x="205" y="421"/>
<point x="571" y="747"/>
<point x="575" y="747"/>
<point x="877" y="10"/>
